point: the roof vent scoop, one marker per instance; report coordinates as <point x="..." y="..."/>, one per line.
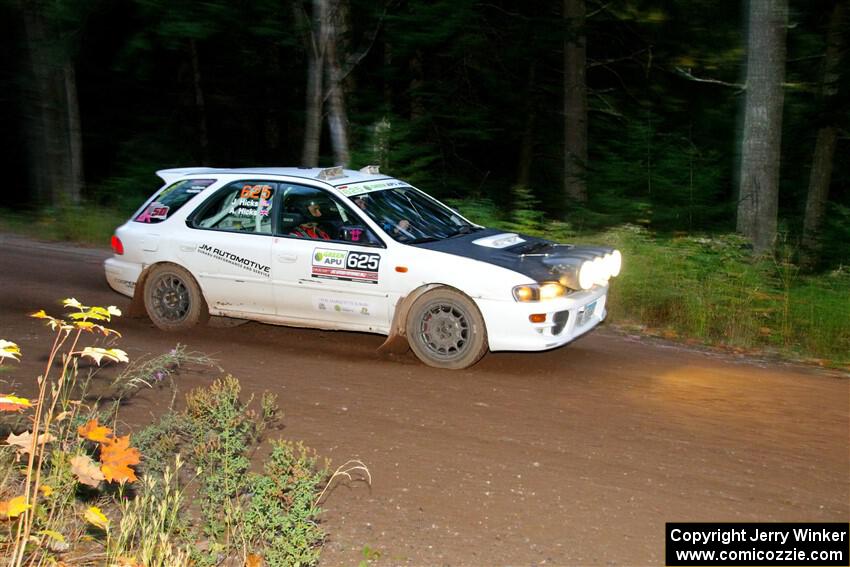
<point x="331" y="173"/>
<point x="371" y="169"/>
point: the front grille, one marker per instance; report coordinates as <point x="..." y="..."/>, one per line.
<point x="560" y="318"/>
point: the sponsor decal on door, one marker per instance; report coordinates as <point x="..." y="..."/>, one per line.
<point x="235" y="260"/>
<point x="344" y="265"/>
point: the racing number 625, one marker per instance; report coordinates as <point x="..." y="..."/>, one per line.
<point x="363" y="261"/>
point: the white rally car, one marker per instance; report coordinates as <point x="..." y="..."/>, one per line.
<point x="352" y="250"/>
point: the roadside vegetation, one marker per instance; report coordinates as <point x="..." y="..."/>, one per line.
<point x="77" y="488"/>
<point x="697" y="288"/>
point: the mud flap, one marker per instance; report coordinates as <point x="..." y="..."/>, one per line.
<point x="137" y="304"/>
<point x="396" y="342"/>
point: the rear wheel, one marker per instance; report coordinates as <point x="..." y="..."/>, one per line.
<point x="445" y="330"/>
<point x="173" y="299"/>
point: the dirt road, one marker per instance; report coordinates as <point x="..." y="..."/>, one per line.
<point x="575" y="456"/>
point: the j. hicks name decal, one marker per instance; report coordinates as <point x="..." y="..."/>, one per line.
<point x="343" y="265"/>
<point x="235" y="260"/>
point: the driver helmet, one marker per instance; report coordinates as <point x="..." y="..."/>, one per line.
<point x="309" y="206"/>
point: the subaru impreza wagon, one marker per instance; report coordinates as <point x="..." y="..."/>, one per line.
<point x="352" y="250"/>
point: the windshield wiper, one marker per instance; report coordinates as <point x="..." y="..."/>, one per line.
<point x="423" y="240"/>
<point x="465" y="229"/>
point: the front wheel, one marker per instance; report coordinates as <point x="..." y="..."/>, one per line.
<point x="173" y="299"/>
<point x="445" y="330"/>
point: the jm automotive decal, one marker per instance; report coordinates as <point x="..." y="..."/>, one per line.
<point x="236" y="260"/>
<point x="343" y="265"/>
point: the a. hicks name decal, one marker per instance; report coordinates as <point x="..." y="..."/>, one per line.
<point x="343" y="265"/>
<point x="235" y="260"/>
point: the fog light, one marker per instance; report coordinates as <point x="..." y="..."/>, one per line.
<point x="537" y="317"/>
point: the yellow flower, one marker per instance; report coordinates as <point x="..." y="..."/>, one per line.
<point x="46" y="490"/>
<point x="96" y="518"/>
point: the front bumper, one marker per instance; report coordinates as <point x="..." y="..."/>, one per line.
<point x="122" y="276"/>
<point x="567" y="318"/>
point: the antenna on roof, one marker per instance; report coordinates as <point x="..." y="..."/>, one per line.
<point x="371" y="169"/>
<point x="331" y="173"/>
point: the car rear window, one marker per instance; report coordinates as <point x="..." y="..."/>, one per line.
<point x="171" y="199"/>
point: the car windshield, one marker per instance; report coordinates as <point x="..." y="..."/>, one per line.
<point x="410" y="216"/>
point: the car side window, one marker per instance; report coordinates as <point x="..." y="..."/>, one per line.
<point x="311" y="213"/>
<point x="171" y="199"/>
<point x="242" y="206"/>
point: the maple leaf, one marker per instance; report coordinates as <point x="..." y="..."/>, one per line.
<point x="95" y="517"/>
<point x="117" y="456"/>
<point x="86" y="470"/>
<point x="52" y="322"/>
<point x="8" y="349"/>
<point x="97" y="354"/>
<point x="14" y="507"/>
<point x="94" y="431"/>
<point x="71" y="302"/>
<point x="24" y="441"/>
<point x="13" y="403"/>
<point x="254" y="560"/>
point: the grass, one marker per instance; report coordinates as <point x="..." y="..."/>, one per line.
<point x="703" y="288"/>
<point x="82" y="223"/>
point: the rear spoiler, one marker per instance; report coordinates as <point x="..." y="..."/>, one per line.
<point x="170" y="175"/>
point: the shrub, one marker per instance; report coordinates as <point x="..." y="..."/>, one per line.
<point x="75" y="497"/>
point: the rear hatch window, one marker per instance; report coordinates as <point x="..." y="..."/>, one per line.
<point x="170" y="199"/>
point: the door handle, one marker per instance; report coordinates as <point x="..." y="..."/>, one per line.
<point x="284" y="257"/>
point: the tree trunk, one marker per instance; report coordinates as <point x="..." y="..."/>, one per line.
<point x="821" y="173"/>
<point x="758" y="196"/>
<point x="417" y="81"/>
<point x="526" y="149"/>
<point x="337" y="117"/>
<point x="200" y="105"/>
<point x="271" y="120"/>
<point x="75" y="137"/>
<point x="49" y="154"/>
<point x="575" y="101"/>
<point x="315" y="70"/>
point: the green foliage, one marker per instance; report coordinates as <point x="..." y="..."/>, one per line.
<point x="280" y="516"/>
<point x="641" y="174"/>
<point x="160" y="441"/>
<point x="151" y="529"/>
<point x="710" y="288"/>
<point x="221" y="427"/>
<point x="272" y="514"/>
<point x="81" y="223"/>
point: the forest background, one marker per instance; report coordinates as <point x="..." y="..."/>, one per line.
<point x="707" y="138"/>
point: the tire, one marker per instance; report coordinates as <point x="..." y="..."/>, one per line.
<point x="445" y="330"/>
<point x="173" y="299"/>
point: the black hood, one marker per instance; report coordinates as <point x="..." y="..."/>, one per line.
<point x="539" y="259"/>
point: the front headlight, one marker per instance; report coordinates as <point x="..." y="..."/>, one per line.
<point x="616" y="263"/>
<point x="539" y="292"/>
<point x="587" y="274"/>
